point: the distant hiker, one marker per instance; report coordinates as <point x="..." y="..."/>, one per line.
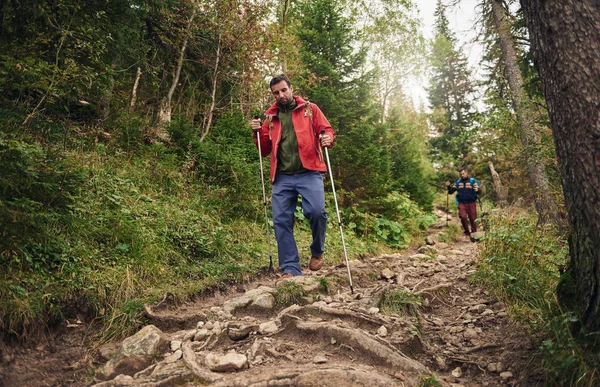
<point x="290" y="135"/>
<point x="466" y="189"/>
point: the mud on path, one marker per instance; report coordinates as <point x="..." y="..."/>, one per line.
<point x="414" y="319"/>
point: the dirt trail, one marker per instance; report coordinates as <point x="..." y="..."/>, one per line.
<point x="323" y="335"/>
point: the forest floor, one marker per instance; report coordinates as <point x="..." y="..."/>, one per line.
<point x="414" y="319"/>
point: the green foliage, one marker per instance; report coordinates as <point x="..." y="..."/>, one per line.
<point x="36" y="192"/>
<point x="396" y="219"/>
<point x="401" y="302"/>
<point x="450" y="94"/>
<point x="98" y="217"/>
<point x="227" y="163"/>
<point x="521" y="262"/>
<point x="522" y="259"/>
<point x="430" y="381"/>
<point x="410" y="169"/>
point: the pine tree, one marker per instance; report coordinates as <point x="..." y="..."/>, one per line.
<point x="333" y="80"/>
<point x="450" y="92"/>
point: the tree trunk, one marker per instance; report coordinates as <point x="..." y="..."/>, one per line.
<point x="284" y="21"/>
<point x="500" y="190"/>
<point x="565" y="39"/>
<point x="164" y="115"/>
<point x="545" y="204"/>
<point x="136" y="83"/>
<point x="213" y="95"/>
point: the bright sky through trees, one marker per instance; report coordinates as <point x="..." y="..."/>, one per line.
<point x="462" y="18"/>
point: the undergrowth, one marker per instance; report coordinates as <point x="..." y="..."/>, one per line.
<point x="101" y="227"/>
<point x="521" y="262"/>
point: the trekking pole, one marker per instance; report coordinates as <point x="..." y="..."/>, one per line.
<point x="447" y="209"/>
<point x="262" y="180"/>
<point x="338" y="215"/>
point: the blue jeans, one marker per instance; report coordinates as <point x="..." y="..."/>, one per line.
<point x="285" y="197"/>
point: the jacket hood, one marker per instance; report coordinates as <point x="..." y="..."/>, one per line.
<point x="274" y="108"/>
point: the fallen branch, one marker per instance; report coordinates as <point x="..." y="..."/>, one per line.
<point x="433" y="288"/>
<point x="482" y="347"/>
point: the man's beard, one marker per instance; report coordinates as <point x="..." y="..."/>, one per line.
<point x="286" y="104"/>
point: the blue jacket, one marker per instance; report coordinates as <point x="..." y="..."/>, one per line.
<point x="464" y="188"/>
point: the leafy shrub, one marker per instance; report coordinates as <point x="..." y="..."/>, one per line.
<point x="401" y="217"/>
<point x="37" y="189"/>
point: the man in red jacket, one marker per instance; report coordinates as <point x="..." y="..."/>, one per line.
<point x="291" y="134"/>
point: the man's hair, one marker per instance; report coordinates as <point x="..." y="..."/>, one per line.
<point x="464" y="169"/>
<point x="278" y="78"/>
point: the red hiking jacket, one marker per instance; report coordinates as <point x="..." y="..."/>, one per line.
<point x="309" y="146"/>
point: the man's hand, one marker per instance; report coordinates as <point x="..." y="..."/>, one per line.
<point x="325" y="140"/>
<point x="447" y="184"/>
<point x="255" y="124"/>
<point x="476" y="187"/>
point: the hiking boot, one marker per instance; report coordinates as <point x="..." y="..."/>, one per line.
<point x="315" y="263"/>
<point x="285" y="276"/>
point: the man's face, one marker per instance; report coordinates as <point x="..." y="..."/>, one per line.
<point x="282" y="93"/>
<point x="463" y="174"/>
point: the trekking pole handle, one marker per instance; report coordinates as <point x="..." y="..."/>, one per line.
<point x="256" y="117"/>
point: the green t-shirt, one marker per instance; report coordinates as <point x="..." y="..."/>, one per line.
<point x="288" y="157"/>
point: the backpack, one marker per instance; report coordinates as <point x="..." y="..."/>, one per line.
<point x="472" y="181"/>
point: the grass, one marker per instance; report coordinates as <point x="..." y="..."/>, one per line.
<point x="430" y="381"/>
<point x="134" y="225"/>
<point x="402" y="302"/>
<point x="289" y="293"/>
<point x="520" y="263"/>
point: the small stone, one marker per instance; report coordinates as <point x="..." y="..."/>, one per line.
<point x="175" y="345"/>
<point x="457" y="372"/>
<point x="500" y="367"/>
<point x="492" y="367"/>
<point x="189" y="335"/>
<point x="208" y="325"/>
<point x="173" y="357"/>
<point x="487" y="312"/>
<point x="470" y="333"/>
<point x="506" y="375"/>
<point x="441" y="363"/>
<point x="419" y="256"/>
<point x="387" y="274"/>
<point x="382" y="331"/>
<point x="215" y="309"/>
<point x="319" y="359"/>
<point x="431" y="239"/>
<point x="400" y="376"/>
<point x="200" y="324"/>
<point x="267" y="328"/>
<point x="265" y="301"/>
<point x="239" y="333"/>
<point x="226" y="363"/>
<point x="477" y="308"/>
<point x="201" y="334"/>
<point x="373" y="310"/>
